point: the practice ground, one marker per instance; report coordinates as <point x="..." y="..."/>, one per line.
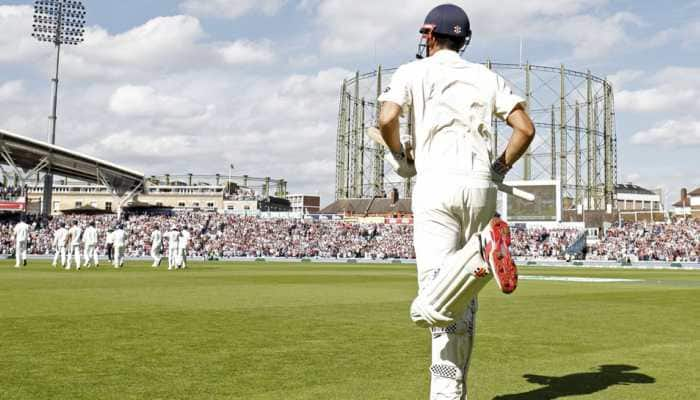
<point x="301" y="331"/>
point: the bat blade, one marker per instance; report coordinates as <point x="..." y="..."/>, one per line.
<point x="374" y="134"/>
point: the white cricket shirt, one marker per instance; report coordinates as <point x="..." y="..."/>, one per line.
<point x="90" y="236"/>
<point x="453" y="102"/>
<point x="119" y="238"/>
<point x="184" y="239"/>
<point x="21" y="232"/>
<point x="156" y="238"/>
<point x="75" y="232"/>
<point x="173" y="238"/>
<point x="60" y="237"/>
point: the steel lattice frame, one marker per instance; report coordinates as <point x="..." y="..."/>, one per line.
<point x="575" y="142"/>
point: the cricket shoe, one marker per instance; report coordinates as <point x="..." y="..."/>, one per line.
<point x="495" y="242"/>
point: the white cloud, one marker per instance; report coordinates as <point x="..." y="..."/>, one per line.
<point x="347" y="28"/>
<point x="9" y="91"/>
<point x="247" y="52"/>
<point x="161" y="45"/>
<point x="143" y="146"/>
<point x="144" y="101"/>
<point x="671" y="133"/>
<point x="16" y="42"/>
<point x="609" y="33"/>
<point x="230" y="8"/>
<point x="624" y="77"/>
<point x="672" y="89"/>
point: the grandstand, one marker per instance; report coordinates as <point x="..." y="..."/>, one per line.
<point x="243" y="216"/>
<point x="188" y="192"/>
<point x="27" y="158"/>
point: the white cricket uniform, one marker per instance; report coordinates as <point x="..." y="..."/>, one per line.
<point x="90" y="241"/>
<point x="119" y="238"/>
<point x="453" y="102"/>
<point x="156" y="247"/>
<point x="182" y="245"/>
<point x="21" y="231"/>
<point x="60" y="239"/>
<point x="74" y="246"/>
<point x="109" y="242"/>
<point x="173" y="237"/>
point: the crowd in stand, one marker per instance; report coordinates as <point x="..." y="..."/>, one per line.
<point x="643" y="241"/>
<point x="224" y="236"/>
<point x="221" y="236"/>
<point x="542" y="243"/>
<point x="10" y="193"/>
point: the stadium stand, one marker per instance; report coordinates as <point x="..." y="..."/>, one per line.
<point x="677" y="241"/>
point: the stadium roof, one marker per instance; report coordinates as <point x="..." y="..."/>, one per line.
<point x="35" y="156"/>
<point x="632" y="189"/>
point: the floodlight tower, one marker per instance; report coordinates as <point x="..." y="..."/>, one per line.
<point x="58" y="22"/>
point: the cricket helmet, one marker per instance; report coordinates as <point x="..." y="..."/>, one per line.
<point x="447" y="20"/>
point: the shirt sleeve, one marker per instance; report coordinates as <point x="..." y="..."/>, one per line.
<point x="399" y="91"/>
<point x="505" y="101"/>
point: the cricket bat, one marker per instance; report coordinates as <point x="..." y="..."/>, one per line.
<point x="374" y="134"/>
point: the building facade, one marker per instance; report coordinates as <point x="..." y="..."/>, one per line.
<point x="688" y="205"/>
<point x="304" y="203"/>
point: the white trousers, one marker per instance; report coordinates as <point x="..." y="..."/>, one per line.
<point x="172" y="257"/>
<point x="20" y="252"/>
<point x="182" y="258"/>
<point x="60" y="254"/>
<point x="446" y="217"/>
<point x="156" y="254"/>
<point x="91" y="254"/>
<point x="118" y="257"/>
<point x="73" y="252"/>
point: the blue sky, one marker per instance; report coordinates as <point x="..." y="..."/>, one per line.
<point x="192" y="85"/>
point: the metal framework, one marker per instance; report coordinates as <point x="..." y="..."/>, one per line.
<point x="58" y="22"/>
<point x="27" y="158"/>
<point x="575" y="142"/>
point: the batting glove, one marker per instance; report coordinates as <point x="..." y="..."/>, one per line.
<point x="400" y="163"/>
<point x="499" y="169"/>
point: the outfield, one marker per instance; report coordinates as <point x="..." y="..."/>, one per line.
<point x="301" y="331"/>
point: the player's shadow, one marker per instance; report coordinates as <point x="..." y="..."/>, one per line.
<point x="581" y="383"/>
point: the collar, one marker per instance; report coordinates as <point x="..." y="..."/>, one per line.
<point x="445" y="54"/>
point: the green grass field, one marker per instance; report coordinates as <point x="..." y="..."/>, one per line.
<point x="308" y="331"/>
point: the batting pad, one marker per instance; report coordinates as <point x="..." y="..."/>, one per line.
<point x="447" y="296"/>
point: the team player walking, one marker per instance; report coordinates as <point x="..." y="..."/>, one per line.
<point x="459" y="243"/>
<point x="66" y="245"/>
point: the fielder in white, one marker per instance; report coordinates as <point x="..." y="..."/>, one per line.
<point x="119" y="239"/>
<point x="183" y="244"/>
<point x="459" y="243"/>
<point x="109" y="242"/>
<point x="74" y="234"/>
<point x="156" y="246"/>
<point x="90" y="243"/>
<point x="173" y="237"/>
<point x="60" y="241"/>
<point x="21" y="232"/>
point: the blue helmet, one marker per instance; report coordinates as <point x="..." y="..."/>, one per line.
<point x="444" y="20"/>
